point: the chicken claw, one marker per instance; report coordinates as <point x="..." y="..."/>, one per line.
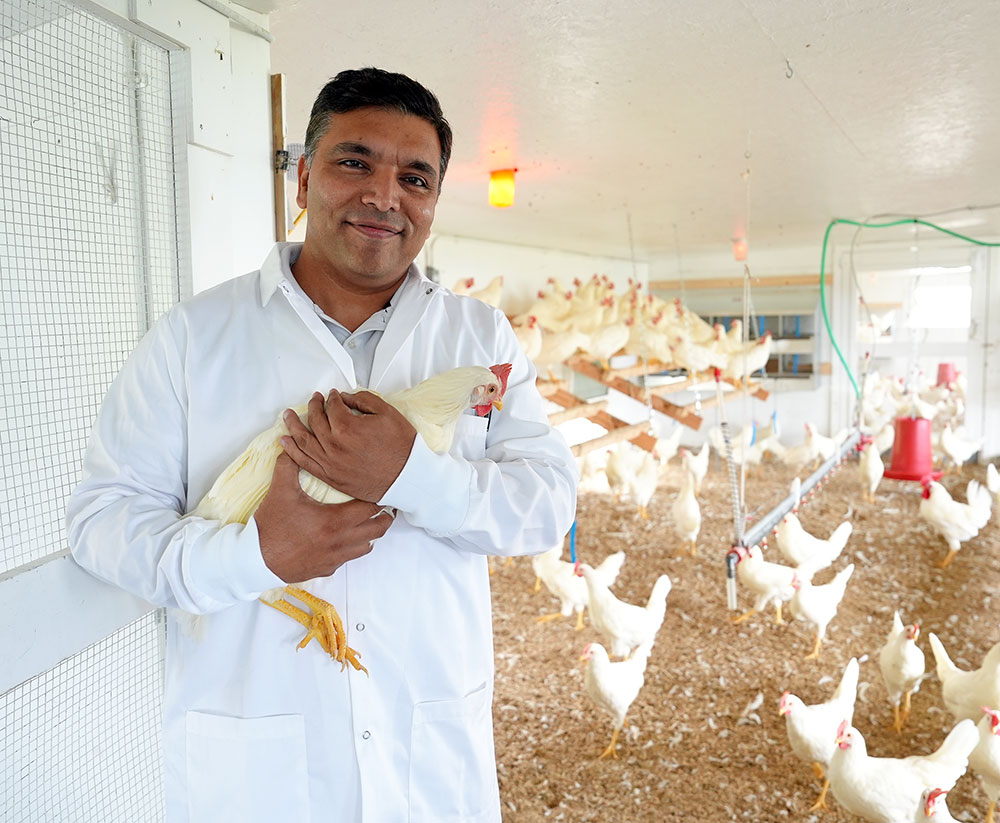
<point x="610" y="750"/>
<point x="324" y="624"/>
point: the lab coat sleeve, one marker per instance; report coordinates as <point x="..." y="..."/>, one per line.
<point x="125" y="519"/>
<point x="519" y="499"/>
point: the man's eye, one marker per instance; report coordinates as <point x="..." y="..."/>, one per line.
<point x="416" y="181"/>
<point x="351" y="163"/>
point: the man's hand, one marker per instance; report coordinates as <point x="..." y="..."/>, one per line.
<point x="301" y="539"/>
<point x="358" y="454"/>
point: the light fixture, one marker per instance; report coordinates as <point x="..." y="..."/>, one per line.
<point x="502" y="188"/>
<point x="739" y="249"/>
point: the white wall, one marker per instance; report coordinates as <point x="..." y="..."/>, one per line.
<point x="222" y="97"/>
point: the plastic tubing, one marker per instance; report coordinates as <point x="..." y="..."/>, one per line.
<point x="822" y="272"/>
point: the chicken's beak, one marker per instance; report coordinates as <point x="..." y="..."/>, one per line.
<point x="498" y="404"/>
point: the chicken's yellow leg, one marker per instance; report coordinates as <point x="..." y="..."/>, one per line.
<point x="897" y="723"/>
<point x="318" y="630"/>
<point x="545" y="618"/>
<point x="610" y="750"/>
<point x="538" y="584"/>
<point x="951" y="556"/>
<point x="906" y="708"/>
<point x="326" y="615"/>
<point x="579" y="621"/>
<point x="777" y="615"/>
<point x="989" y="814"/>
<point x="743" y="616"/>
<point x="821" y="800"/>
<point x="815" y="652"/>
<point x="693" y="548"/>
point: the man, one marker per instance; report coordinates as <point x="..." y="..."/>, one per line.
<point x="252" y="729"/>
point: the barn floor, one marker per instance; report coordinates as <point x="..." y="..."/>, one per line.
<point x="704" y="740"/>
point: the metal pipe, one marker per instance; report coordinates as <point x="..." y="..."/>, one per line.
<point x="238" y="19"/>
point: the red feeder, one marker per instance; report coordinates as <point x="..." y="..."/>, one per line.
<point x="911" y="450"/>
<point x="946" y="373"/>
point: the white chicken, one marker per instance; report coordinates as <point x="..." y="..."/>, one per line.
<point x="955" y="522"/>
<point x="621" y="464"/>
<point x="993" y="480"/>
<point x="985" y="758"/>
<point x="644" y="481"/>
<point x="958" y="449"/>
<point x="666" y="447"/>
<point x="810" y="554"/>
<point x="740" y="366"/>
<point x="564" y="582"/>
<point x="769" y="582"/>
<point x="934" y="808"/>
<point x="902" y="665"/>
<point x="556" y="348"/>
<point x="890" y="789"/>
<point x="812" y="729"/>
<point x="817" y="605"/>
<point x="696" y="464"/>
<point x="529" y="336"/>
<point x="491" y="293"/>
<point x="432" y="407"/>
<point x="603" y="342"/>
<point x="623" y="625"/>
<point x="687" y="514"/>
<point x="697" y="357"/>
<point x="613" y="686"/>
<point x="871" y="469"/>
<point x="965" y="693"/>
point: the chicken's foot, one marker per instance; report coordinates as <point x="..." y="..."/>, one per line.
<point x="316" y="629"/>
<point x="989" y="813"/>
<point x="814" y="654"/>
<point x="545" y="618"/>
<point x="950" y="556"/>
<point x="610" y="750"/>
<point x="538" y="585"/>
<point x="897" y="722"/>
<point x="906" y="707"/>
<point x="327" y="627"/>
<point x="777" y="615"/>
<point x="579" y="621"/>
<point x="744" y="616"/>
<point x="821" y="800"/>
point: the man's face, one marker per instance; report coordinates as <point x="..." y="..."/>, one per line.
<point x="370" y="192"/>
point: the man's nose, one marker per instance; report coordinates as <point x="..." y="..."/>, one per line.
<point x="382" y="191"/>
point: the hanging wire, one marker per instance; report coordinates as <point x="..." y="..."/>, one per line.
<point x="822" y="273"/>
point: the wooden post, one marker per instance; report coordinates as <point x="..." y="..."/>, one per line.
<point x="280" y="155"/>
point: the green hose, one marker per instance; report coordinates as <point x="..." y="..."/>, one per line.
<point x="822" y="272"/>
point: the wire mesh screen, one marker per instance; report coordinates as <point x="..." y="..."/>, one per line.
<point x="82" y="741"/>
<point x="88" y="253"/>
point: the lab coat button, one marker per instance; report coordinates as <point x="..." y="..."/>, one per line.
<point x="366" y="734"/>
<point x="360" y="627"/>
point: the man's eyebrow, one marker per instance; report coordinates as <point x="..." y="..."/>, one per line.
<point x="352" y="147"/>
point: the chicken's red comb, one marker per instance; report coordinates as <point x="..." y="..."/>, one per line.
<point x="932" y="800"/>
<point x="502" y="371"/>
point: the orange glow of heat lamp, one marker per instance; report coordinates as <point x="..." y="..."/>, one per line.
<point x="739" y="249"/>
<point x="502" y="188"/>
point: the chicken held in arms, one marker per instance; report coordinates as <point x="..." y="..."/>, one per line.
<point x="432" y="407"/>
<point x="613" y="686"/>
<point x="812" y="729"/>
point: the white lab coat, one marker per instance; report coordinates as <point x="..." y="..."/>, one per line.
<point x="253" y="729"/>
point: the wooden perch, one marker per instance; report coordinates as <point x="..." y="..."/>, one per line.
<point x="618" y="430"/>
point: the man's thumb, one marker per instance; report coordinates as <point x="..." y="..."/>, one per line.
<point x="286" y="471"/>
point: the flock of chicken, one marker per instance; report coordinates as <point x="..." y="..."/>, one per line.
<point x="882" y="790"/>
<point x="592" y="319"/>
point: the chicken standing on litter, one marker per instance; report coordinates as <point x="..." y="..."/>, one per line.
<point x="613" y="686"/>
<point x="566" y="582"/>
<point x="696" y="464"/>
<point x="891" y="789"/>
<point x="810" y="554"/>
<point x="817" y="605"/>
<point x="432" y="407"/>
<point x="902" y="665"/>
<point x="770" y="582"/>
<point x="955" y="522"/>
<point x="985" y="758"/>
<point x="965" y="693"/>
<point x="871" y="469"/>
<point x="812" y="729"/>
<point x="624" y="626"/>
<point x="687" y="514"/>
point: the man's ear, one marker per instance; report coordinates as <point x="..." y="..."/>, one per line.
<point x="300" y="195"/>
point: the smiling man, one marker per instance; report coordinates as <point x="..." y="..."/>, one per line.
<point x="253" y="729"/>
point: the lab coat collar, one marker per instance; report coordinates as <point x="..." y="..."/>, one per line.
<point x="277" y="266"/>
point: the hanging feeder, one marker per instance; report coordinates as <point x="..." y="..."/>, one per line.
<point x="912" y="458"/>
<point x="946" y="374"/>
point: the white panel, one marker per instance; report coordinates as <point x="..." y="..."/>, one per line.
<point x="206" y="34"/>
<point x="252" y="176"/>
<point x="53" y="611"/>
<point x="211" y="218"/>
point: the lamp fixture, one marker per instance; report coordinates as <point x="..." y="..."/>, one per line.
<point x="502" y="188"/>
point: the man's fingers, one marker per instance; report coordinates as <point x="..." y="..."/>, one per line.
<point x="294" y="454"/>
<point x="317" y="416"/>
<point x="365" y="402"/>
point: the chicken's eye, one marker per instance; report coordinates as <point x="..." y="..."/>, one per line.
<point x="492" y="389"/>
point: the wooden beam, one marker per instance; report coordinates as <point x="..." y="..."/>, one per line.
<point x="771" y="282"/>
<point x="547" y="388"/>
<point x="576" y="412"/>
<point x="618" y="432"/>
<point x="594" y="372"/>
<point x="279" y="151"/>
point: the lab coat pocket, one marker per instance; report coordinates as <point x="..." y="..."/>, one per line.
<point x="246" y="768"/>
<point x="470" y="437"/>
<point x="452" y="764"/>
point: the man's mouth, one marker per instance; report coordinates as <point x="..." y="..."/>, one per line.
<point x="376" y="231"/>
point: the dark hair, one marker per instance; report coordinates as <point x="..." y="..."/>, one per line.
<point x="370" y="87"/>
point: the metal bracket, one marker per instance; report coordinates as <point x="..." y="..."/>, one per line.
<point x="281" y="161"/>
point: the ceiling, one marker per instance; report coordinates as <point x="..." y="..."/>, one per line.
<point x="665" y="127"/>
